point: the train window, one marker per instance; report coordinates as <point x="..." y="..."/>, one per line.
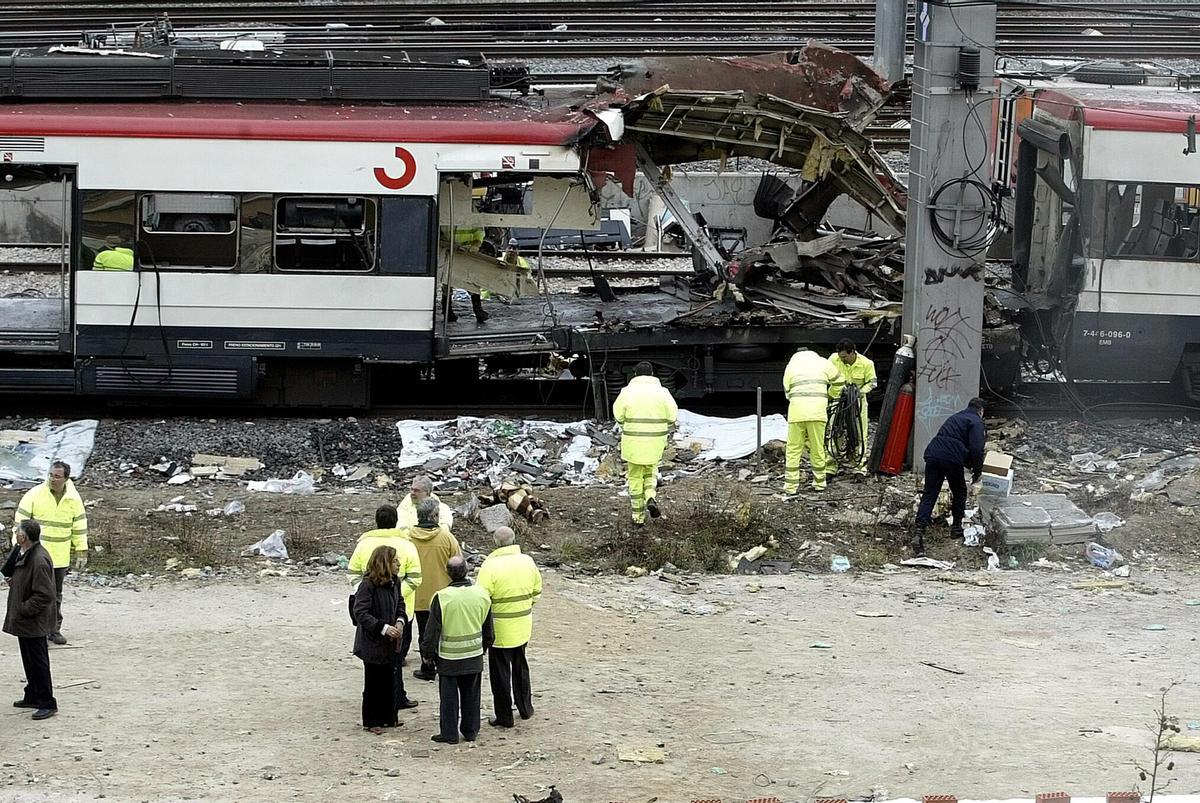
<point x="1151" y="221"/>
<point x="325" y="233"/>
<point x="108" y="224"/>
<point x="257" y="225"/>
<point x="188" y="230"/>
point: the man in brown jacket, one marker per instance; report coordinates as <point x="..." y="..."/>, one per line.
<point x="435" y="546"/>
<point x="31" y="615"/>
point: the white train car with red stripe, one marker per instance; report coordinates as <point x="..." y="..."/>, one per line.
<point x="276" y="248"/>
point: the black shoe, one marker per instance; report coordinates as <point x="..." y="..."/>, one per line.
<point x="528" y="716"/>
<point x="422" y="674"/>
<point x="57" y="638"/>
<point x="653" y="509"/>
<point x="407" y="704"/>
<point x="470" y="738"/>
<point x="24" y="704"/>
<point x="44" y="713"/>
<point x="440" y="739"/>
<point x="956" y="532"/>
<point x="918" y="543"/>
<point x="495" y="723"/>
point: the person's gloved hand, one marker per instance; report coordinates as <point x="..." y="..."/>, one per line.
<point x="975" y="476"/>
<point x="81" y="559"/>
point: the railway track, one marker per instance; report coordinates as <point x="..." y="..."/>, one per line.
<point x="610" y="30"/>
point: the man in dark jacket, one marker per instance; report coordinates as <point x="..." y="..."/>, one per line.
<point x="957" y="445"/>
<point x="459" y="629"/>
<point x="32" y="615"/>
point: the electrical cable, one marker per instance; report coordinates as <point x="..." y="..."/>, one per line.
<point x="844" y="438"/>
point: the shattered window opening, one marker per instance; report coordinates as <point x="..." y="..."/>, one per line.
<point x="1147" y="221"/>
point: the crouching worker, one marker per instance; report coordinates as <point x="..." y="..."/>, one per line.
<point x="958" y="445"/>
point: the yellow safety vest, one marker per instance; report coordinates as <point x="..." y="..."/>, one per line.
<point x="644" y="409"/>
<point x="514" y="584"/>
<point x="406" y="513"/>
<point x="114" y="259"/>
<point x="64" y="522"/>
<point x="469" y="239"/>
<point x="810" y="381"/>
<point x="410" y="565"/>
<point x="861" y="373"/>
<point x="464" y="610"/>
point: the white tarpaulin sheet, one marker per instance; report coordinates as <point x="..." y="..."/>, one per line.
<point x="27" y="463"/>
<point x="719" y="438"/>
<point x="731" y="437"/>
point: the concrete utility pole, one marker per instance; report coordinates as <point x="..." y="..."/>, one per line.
<point x="891" y="34"/>
<point x="953" y="69"/>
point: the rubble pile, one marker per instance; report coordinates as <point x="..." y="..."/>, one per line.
<point x="132" y="449"/>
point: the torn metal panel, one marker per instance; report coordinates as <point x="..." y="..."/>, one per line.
<point x="816" y="76"/>
<point x="476" y="272"/>
<point x="692" y="126"/>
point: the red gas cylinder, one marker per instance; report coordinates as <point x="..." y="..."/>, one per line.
<point x="896" y="446"/>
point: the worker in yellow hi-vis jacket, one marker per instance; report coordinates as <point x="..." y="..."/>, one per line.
<point x="645" y="410"/>
<point x="58" y="507"/>
<point x="810" y="381"/>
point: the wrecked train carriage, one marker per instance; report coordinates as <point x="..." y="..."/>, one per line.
<point x="1106" y="241"/>
<point x="292" y="255"/>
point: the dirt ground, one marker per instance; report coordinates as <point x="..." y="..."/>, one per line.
<point x="235" y="686"/>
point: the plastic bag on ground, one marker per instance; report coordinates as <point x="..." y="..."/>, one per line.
<point x="270" y="547"/>
<point x="235" y="507"/>
<point x="1107" y="522"/>
<point x="1102" y="557"/>
<point x="302" y="483"/>
<point x="839" y="564"/>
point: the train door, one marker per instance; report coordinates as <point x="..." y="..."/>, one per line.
<point x="36" y="214"/>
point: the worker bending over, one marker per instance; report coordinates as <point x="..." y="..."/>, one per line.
<point x="810" y="382"/>
<point x="958" y="444"/>
<point x="645" y="410"/>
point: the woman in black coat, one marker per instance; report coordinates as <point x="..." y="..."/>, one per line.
<point x="380" y="615"/>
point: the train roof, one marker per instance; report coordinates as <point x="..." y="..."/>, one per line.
<point x="491" y="122"/>
<point x="1121" y="108"/>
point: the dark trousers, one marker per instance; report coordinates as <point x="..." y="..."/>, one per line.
<point x="459" y="691"/>
<point x="399" y="695"/>
<point x="407" y="639"/>
<point x="508" y="672"/>
<point x="937" y="472"/>
<point x="35" y="658"/>
<point x="59" y="576"/>
<point x="378" y="702"/>
<point x="422" y="622"/>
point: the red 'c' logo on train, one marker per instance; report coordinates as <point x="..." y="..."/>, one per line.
<point x="406" y="176"/>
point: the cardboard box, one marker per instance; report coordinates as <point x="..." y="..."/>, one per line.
<point x="994" y="484"/>
<point x="997" y="463"/>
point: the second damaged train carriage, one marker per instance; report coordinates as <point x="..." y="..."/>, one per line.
<point x="1106" y="246"/>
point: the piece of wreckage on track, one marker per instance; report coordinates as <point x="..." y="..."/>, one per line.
<point x="805" y="112"/>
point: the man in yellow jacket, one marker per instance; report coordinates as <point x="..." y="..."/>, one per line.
<point x="421" y="489"/>
<point x="810" y="382"/>
<point x="858" y="370"/>
<point x="57" y="506"/>
<point x="435" y="545"/>
<point x="514" y="584"/>
<point x="645" y="410"/>
<point x="386" y="533"/>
